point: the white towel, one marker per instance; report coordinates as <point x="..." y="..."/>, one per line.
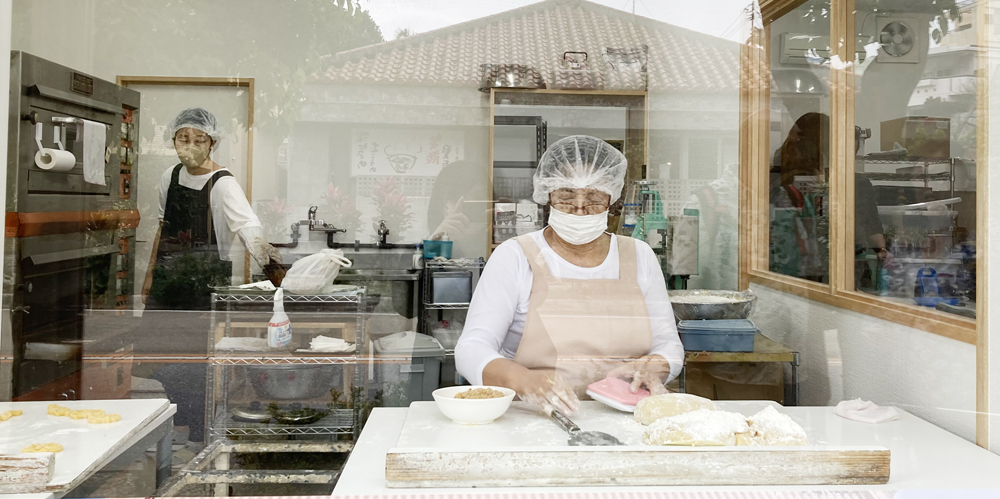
<point x="243" y="344"/>
<point x="865" y="411"/>
<point x="328" y="344"/>
<point x="94" y="139"/>
<point x="261" y="285"/>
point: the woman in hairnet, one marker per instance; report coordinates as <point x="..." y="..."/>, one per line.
<point x="203" y="211"/>
<point x="560" y="308"/>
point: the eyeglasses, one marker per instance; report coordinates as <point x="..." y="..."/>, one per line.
<point x="198" y="140"/>
<point x="587" y="209"/>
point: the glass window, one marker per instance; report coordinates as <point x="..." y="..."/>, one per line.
<point x="915" y="170"/>
<point x="799" y="143"/>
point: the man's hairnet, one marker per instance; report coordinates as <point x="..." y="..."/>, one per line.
<point x="580" y="162"/>
<point x="198" y="119"/>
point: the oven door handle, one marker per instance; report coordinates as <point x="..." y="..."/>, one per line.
<point x="73" y="254"/>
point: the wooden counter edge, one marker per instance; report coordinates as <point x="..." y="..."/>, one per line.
<point x="26" y="473"/>
<point x="566" y="466"/>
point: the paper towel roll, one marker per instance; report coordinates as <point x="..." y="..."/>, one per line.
<point x="55" y="160"/>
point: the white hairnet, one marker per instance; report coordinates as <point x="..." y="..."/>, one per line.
<point x="580" y="162"/>
<point x="198" y="119"/>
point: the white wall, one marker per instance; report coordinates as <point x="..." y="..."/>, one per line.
<point x="992" y="183"/>
<point x="847" y="355"/>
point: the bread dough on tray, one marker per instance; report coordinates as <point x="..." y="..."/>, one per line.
<point x="653" y="408"/>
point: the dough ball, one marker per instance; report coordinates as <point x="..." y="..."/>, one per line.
<point x="770" y="427"/>
<point x="652" y="408"/>
<point x="50" y="447"/>
<point x="700" y="427"/>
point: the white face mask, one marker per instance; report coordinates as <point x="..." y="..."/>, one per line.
<point x="578" y="229"/>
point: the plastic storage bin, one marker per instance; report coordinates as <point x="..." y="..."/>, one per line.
<point x="434" y="249"/>
<point x="731" y="335"/>
<point x="405" y="382"/>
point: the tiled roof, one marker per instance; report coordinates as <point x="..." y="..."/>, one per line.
<point x="536" y="36"/>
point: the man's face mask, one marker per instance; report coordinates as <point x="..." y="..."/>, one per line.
<point x="192" y="149"/>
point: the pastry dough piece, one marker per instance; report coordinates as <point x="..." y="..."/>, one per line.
<point x="4" y="416"/>
<point x="49" y="447"/>
<point x="770" y="427"/>
<point x="104" y="418"/>
<point x="58" y="410"/>
<point x="653" y="408"/>
<point x="86" y="413"/>
<point x="701" y="427"/>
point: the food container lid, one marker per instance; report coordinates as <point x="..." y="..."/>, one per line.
<point x="409" y="343"/>
<point x="731" y="325"/>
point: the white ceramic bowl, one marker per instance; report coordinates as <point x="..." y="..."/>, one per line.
<point x="472" y="411"/>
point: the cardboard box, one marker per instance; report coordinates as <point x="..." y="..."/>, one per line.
<point x="922" y="136"/>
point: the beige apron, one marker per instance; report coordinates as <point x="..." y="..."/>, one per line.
<point x="583" y="328"/>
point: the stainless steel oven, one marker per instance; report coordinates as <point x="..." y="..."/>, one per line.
<point x="69" y="241"/>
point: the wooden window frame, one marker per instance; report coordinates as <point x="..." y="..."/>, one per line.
<point x="754" y="183"/>
<point x="200" y="81"/>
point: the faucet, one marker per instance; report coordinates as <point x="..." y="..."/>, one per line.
<point x="315" y="226"/>
<point x="383" y="233"/>
<point x="312" y="216"/>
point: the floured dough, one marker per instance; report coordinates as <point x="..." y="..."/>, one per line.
<point x="104" y="419"/>
<point x="93" y="416"/>
<point x="49" y="447"/>
<point x="701" y="427"/>
<point x="653" y="408"/>
<point x="58" y="410"/>
<point x="85" y="413"/>
<point x="770" y="427"/>
<point x="4" y="416"/>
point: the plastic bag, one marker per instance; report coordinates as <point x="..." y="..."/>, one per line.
<point x="314" y="274"/>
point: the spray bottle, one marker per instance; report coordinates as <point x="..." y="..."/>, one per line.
<point x="279" y="328"/>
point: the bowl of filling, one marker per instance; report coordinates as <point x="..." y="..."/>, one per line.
<point x="473" y="404"/>
<point x="711" y="304"/>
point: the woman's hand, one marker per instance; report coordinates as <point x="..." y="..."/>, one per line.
<point x="650" y="372"/>
<point x="547" y="392"/>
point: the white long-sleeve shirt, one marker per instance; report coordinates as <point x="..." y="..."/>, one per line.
<point x="499" y="308"/>
<point x="231" y="212"/>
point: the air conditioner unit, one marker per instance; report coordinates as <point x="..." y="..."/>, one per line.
<point x="899" y="39"/>
<point x="797" y="48"/>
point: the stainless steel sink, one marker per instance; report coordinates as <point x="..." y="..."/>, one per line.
<point x="381" y="259"/>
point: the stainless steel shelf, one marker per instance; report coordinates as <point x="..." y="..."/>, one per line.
<point x="903" y="161"/>
<point x="243" y="359"/>
<point x="339" y="422"/>
<point x="908" y="177"/>
<point x="446" y="306"/>
<point x="353" y="297"/>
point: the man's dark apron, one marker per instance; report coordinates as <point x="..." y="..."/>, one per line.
<point x="187" y="265"/>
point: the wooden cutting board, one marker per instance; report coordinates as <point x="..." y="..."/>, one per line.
<point x="524" y="448"/>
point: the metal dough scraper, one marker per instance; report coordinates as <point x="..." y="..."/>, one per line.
<point x="578" y="437"/>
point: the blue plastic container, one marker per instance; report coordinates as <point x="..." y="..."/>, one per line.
<point x="731" y="335"/>
<point x="434" y="249"/>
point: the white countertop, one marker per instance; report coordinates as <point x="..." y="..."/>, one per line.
<point x="86" y="447"/>
<point x="923" y="455"/>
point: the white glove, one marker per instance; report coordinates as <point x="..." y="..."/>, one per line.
<point x="261" y="251"/>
